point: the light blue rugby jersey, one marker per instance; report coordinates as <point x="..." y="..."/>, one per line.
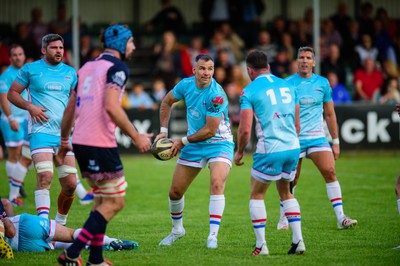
<point x="6" y="79"/>
<point x="200" y="103"/>
<point x="273" y="101"/>
<point x="313" y="92"/>
<point x="49" y="87"/>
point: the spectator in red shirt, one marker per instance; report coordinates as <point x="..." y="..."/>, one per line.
<point x="367" y="80"/>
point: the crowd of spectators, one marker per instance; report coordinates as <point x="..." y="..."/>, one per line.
<point x="360" y="56"/>
<point x="29" y="35"/>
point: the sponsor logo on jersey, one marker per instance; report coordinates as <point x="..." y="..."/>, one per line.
<point x="92" y="166"/>
<point x="307" y="100"/>
<point x="279" y="116"/>
<point x="54" y="86"/>
<point x="87" y="98"/>
<point x="194" y="113"/>
<point x="216" y="104"/>
<point x="218" y="100"/>
<point x="43" y="223"/>
<point x="119" y="78"/>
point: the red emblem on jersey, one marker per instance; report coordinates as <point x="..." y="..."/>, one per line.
<point x="218" y="100"/>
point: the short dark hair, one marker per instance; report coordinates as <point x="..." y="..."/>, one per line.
<point x="306" y="49"/>
<point x="257" y="59"/>
<point x="204" y="57"/>
<point x="51" y="38"/>
<point x="13" y="46"/>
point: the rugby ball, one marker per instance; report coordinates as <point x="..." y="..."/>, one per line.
<point x="160" y="149"/>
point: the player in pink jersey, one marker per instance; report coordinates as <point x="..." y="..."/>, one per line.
<point x="96" y="107"/>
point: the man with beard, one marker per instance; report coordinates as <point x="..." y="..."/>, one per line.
<point x="49" y="83"/>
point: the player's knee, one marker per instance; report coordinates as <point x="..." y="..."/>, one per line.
<point x="45" y="167"/>
<point x="25" y="162"/>
<point x="26" y="153"/>
<point x="329" y="174"/>
<point x="68" y="188"/>
<point x="44" y="172"/>
<point x="119" y="204"/>
<point x="175" y="194"/>
<point x="13" y="157"/>
<point x="113" y="205"/>
<point x="65" y="170"/>
<point x="44" y="180"/>
<point x="217" y="188"/>
<point x="256" y="195"/>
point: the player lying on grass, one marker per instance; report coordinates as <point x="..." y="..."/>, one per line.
<point x="28" y="232"/>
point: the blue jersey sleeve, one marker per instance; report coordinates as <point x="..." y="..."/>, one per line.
<point x="244" y="100"/>
<point x="177" y="91"/>
<point x="118" y="75"/>
<point x="296" y="96"/>
<point x="23" y="76"/>
<point x="75" y="81"/>
<point x="216" y="104"/>
<point x="327" y="91"/>
<point x="3" y="84"/>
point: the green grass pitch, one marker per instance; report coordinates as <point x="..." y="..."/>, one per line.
<point x="367" y="183"/>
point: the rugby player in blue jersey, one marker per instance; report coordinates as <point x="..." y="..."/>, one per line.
<point x="209" y="140"/>
<point x="315" y="99"/>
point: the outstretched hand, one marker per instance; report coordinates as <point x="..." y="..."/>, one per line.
<point x="143" y="142"/>
<point x="161" y="135"/>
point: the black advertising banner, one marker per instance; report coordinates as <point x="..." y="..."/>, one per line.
<point x="361" y="127"/>
<point x="368" y="127"/>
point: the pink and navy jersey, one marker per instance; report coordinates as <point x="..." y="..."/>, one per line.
<point x="93" y="126"/>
